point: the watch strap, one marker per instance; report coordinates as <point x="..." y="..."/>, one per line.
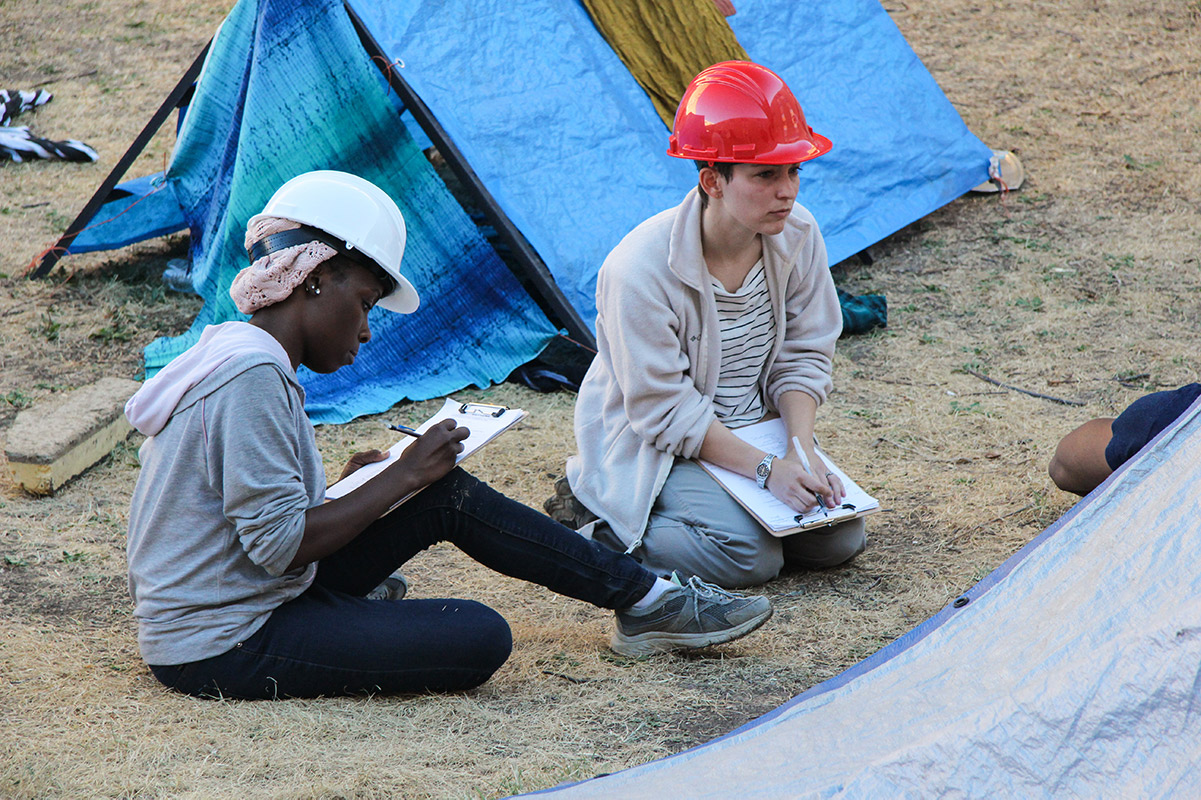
<point x="763" y="471"/>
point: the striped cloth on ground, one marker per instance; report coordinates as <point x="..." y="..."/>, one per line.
<point x="18" y="144"/>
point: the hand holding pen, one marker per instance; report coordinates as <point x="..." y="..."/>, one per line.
<point x="405" y="429"/>
<point x="796" y="444"/>
<point x="435" y="451"/>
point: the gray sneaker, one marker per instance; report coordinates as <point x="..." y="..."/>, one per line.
<point x="697" y="614"/>
<point x="394" y="587"/>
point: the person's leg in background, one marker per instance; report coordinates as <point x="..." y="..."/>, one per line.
<point x="1079" y="463"/>
<point x="822" y="548"/>
<point x="1090" y="454"/>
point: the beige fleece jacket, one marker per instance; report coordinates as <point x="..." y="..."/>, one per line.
<point x="648" y="396"/>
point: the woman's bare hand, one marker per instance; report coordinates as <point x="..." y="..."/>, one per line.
<point x="791" y="484"/>
<point x="822" y="472"/>
<point x="360" y="460"/>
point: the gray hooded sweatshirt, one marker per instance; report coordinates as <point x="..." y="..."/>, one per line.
<point x="219" y="508"/>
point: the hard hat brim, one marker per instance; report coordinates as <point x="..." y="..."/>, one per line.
<point x="404" y="300"/>
<point x="796" y="152"/>
<point x="356" y="213"/>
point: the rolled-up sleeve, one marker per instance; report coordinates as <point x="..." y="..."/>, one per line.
<point x="254" y="456"/>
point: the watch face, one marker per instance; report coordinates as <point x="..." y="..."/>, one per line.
<point x="762" y="470"/>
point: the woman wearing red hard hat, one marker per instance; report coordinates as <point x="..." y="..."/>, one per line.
<point x="712" y="315"/>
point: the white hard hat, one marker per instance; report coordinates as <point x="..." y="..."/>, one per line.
<point x="357" y="214"/>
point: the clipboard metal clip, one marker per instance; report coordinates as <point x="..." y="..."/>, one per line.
<point x="843" y="507"/>
<point x="483" y="409"/>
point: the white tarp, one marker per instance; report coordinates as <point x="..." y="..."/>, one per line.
<point x="1073" y="671"/>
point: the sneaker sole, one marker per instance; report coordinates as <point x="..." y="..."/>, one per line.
<point x="648" y="644"/>
<point x="564" y="508"/>
<point x="569" y="512"/>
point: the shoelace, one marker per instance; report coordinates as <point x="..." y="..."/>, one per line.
<point x="710" y="592"/>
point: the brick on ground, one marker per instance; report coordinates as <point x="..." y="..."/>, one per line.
<point x="51" y="444"/>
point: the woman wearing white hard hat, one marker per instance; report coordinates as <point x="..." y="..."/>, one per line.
<point x="246" y="583"/>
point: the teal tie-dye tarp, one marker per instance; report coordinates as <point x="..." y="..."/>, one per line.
<point x="287" y="89"/>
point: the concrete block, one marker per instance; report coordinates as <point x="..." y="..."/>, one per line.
<point x="47" y="446"/>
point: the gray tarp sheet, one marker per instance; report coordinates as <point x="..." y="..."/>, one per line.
<point x="1073" y="671"/>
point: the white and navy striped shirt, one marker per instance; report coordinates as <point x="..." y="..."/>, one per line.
<point x="748" y="332"/>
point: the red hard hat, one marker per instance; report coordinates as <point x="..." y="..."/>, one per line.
<point x="744" y="113"/>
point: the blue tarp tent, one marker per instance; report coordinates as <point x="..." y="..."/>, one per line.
<point x="570" y="145"/>
<point x="558" y="132"/>
<point x="1073" y="670"/>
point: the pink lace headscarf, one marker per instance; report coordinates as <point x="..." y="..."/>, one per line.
<point x="273" y="277"/>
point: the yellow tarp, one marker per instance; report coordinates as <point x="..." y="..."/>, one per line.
<point x="665" y="43"/>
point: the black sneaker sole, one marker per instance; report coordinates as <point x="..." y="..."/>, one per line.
<point x="565" y="509"/>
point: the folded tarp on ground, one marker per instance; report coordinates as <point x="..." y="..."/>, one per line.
<point x="571" y="147"/>
<point x="1071" y="671"/>
<point x="287" y="88"/>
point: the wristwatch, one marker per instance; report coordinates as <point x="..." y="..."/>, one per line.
<point x="764" y="470"/>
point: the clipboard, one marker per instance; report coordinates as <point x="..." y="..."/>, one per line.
<point x="777" y="517"/>
<point x="485" y="421"/>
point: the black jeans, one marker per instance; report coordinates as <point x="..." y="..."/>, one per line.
<point x="331" y="640"/>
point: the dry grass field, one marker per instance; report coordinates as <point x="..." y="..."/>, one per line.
<point x="1084" y="286"/>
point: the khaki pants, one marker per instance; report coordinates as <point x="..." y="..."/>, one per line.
<point x="696" y="528"/>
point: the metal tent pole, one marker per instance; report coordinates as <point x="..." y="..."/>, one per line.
<point x="548" y="295"/>
<point x="135" y="149"/>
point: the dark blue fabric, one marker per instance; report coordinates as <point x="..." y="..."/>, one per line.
<point x="331" y="640"/>
<point x="1144" y="419"/>
<point x="571" y="147"/>
<point x="326" y="643"/>
<point x="288" y="88"/>
<point x="861" y="313"/>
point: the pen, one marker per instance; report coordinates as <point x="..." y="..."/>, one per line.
<point x="405" y="430"/>
<point x="796" y="443"/>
